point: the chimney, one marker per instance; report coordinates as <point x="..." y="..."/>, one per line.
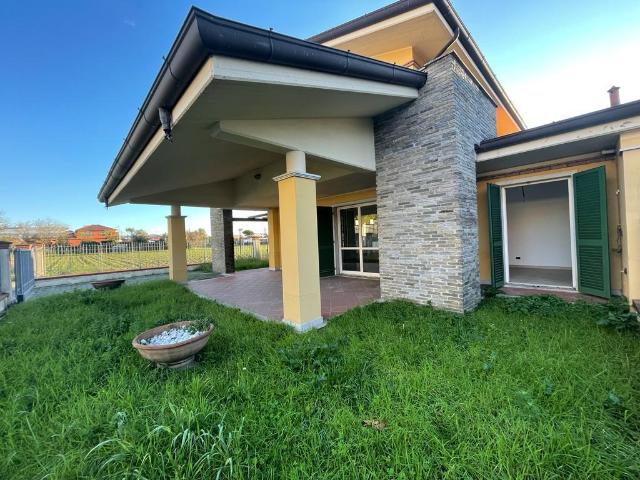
<point x="614" y="96"/>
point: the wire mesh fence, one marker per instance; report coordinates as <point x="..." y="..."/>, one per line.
<point x="60" y="260"/>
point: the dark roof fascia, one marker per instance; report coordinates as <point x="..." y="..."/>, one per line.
<point x="203" y="35"/>
<point x="403" y="6"/>
<point x="591" y="119"/>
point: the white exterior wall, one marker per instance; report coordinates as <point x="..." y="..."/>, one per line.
<point x="539" y="229"/>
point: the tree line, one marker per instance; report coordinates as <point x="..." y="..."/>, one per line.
<point x="47" y="230"/>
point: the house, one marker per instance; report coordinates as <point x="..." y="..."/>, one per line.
<point x="385" y="148"/>
<point x="94" y="234"/>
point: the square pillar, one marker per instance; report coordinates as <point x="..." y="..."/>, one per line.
<point x="218" y="247"/>
<point x="229" y="244"/>
<point x="299" y="245"/>
<point x="177" y="246"/>
<point x="5" y="270"/>
<point x="273" y="219"/>
<point x="629" y="199"/>
<point x="426" y="189"/>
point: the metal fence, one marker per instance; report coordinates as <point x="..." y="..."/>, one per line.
<point x="248" y="248"/>
<point x="59" y="260"/>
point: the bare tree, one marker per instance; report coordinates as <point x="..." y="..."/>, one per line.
<point x="137" y="235"/>
<point x="43" y="230"/>
<point x="4" y="227"/>
<point x="196" y="236"/>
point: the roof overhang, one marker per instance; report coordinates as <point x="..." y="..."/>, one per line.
<point x="238" y="117"/>
<point x="429" y="24"/>
<point x="366" y="87"/>
<point x="594" y="133"/>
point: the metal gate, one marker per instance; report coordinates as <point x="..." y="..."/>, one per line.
<point x="23" y="264"/>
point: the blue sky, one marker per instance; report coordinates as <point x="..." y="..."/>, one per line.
<point x="74" y="74"/>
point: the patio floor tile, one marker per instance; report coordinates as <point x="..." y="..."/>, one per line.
<point x="260" y="291"/>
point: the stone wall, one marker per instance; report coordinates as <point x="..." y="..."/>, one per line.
<point x="426" y="189"/>
<point x="222" y="246"/>
<point x="217" y="240"/>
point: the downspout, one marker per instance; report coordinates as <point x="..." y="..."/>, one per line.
<point x="453" y="40"/>
<point x="458" y="21"/>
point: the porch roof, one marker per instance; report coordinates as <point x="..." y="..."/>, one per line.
<point x="204" y="36"/>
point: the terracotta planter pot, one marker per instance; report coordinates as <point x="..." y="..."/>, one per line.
<point x="174" y="355"/>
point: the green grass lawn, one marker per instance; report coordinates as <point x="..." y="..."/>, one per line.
<point x="250" y="263"/>
<point x="504" y="392"/>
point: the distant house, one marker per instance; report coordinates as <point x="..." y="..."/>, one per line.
<point x="95" y="234"/>
<point x="156" y="238"/>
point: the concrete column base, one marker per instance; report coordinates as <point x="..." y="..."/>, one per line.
<point x="306" y="326"/>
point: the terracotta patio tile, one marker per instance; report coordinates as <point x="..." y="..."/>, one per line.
<point x="260" y="292"/>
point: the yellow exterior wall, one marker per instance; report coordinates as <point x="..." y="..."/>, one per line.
<point x="273" y="220"/>
<point x="612" y="211"/>
<point x="629" y="184"/>
<point x="346" y="198"/>
<point x="401" y="56"/>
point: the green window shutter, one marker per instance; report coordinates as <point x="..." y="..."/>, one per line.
<point x="592" y="234"/>
<point x="495" y="235"/>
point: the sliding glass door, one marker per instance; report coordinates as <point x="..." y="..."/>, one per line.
<point x="359" y="240"/>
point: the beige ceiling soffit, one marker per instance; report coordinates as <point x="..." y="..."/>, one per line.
<point x="389" y="22"/>
<point x="239" y="70"/>
<point x="618" y="126"/>
<point x="206" y="194"/>
<point x="200" y="82"/>
<point x="347" y="141"/>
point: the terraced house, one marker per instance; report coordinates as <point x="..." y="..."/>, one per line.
<point x="384" y="147"/>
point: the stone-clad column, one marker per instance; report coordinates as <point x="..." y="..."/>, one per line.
<point x="217" y="241"/>
<point x="426" y="189"/>
<point x="177" y="245"/>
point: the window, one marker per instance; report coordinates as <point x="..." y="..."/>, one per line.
<point x="359" y="240"/>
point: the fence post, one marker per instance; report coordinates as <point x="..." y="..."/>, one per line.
<point x="5" y="270"/>
<point x="255" y="240"/>
<point x="38" y="260"/>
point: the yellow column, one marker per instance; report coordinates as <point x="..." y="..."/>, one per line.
<point x="177" y="245"/>
<point x="628" y="174"/>
<point x="273" y="221"/>
<point x="299" y="245"/>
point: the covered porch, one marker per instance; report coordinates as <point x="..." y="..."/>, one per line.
<point x="289" y="130"/>
<point x="259" y="292"/>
